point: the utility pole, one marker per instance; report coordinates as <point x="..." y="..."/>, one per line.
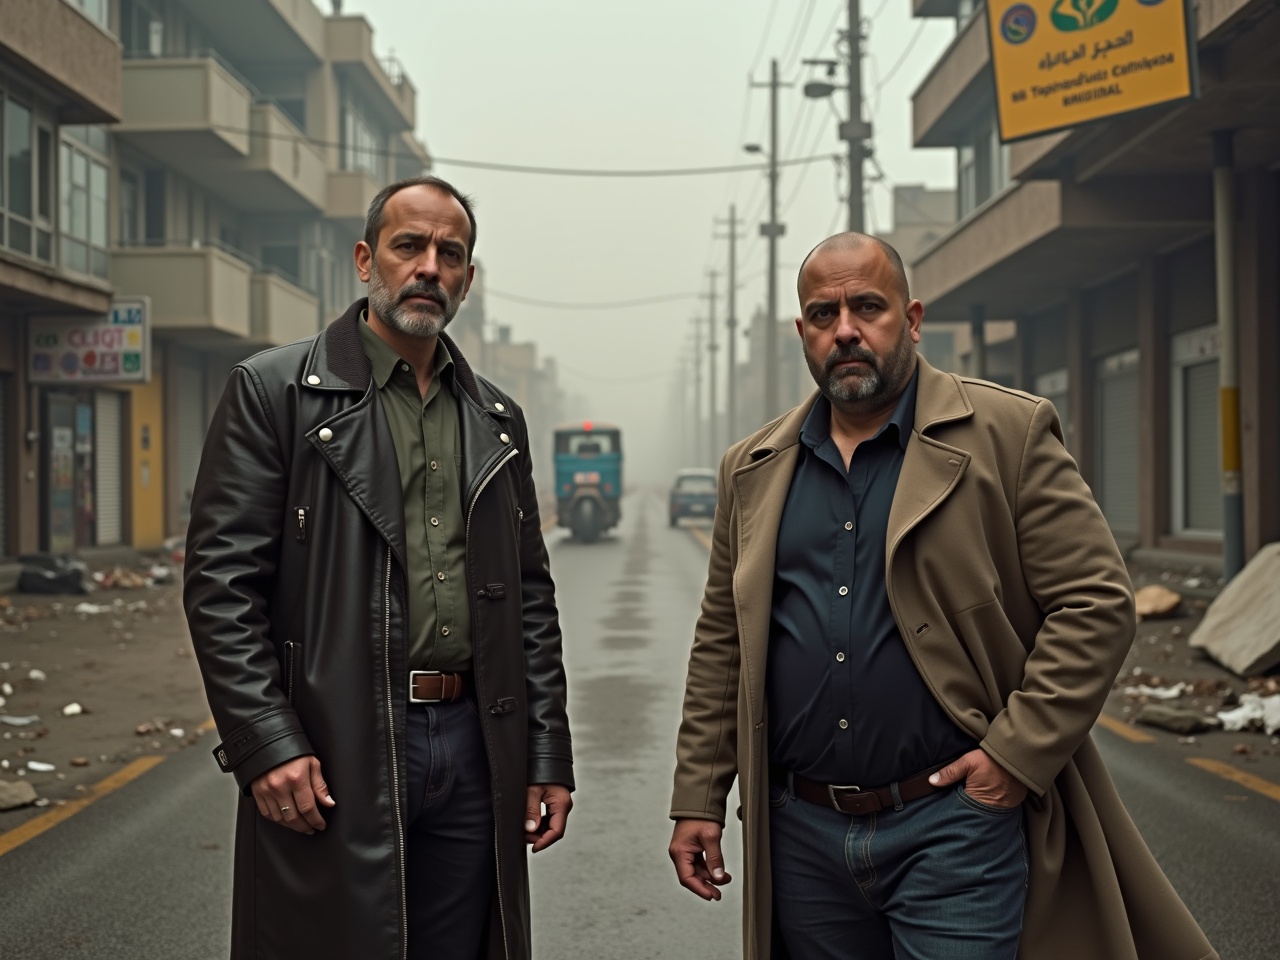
<point x="772" y="231"/>
<point x="698" y="448"/>
<point x="712" y="450"/>
<point x="855" y="130"/>
<point x="731" y="378"/>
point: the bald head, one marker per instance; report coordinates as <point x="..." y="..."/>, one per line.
<point x="853" y="242"/>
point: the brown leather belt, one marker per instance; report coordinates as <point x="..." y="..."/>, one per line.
<point x="860" y="801"/>
<point x="431" y="686"/>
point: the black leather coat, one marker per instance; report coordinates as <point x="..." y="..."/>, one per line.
<point x="295" y="595"/>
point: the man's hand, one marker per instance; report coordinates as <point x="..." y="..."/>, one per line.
<point x="290" y="793"/>
<point x="543" y="829"/>
<point x="984" y="780"/>
<point x="695" y="850"/>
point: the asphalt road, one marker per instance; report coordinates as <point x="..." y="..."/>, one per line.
<point x="144" y="872"/>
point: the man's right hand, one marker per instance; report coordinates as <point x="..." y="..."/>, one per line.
<point x="695" y="850"/>
<point x="291" y="795"/>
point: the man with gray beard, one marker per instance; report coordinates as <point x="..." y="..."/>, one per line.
<point x="370" y="601"/>
<point x="913" y="615"/>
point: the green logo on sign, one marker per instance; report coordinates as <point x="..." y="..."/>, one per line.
<point x="1071" y="15"/>
<point x="132" y="362"/>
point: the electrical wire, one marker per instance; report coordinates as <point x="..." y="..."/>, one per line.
<point x="764" y="37"/>
<point x="524" y="168"/>
<point x="799" y="32"/>
<point x="911" y="45"/>
<point x="589" y="305"/>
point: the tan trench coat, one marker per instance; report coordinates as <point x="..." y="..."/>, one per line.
<point x="1014" y="603"/>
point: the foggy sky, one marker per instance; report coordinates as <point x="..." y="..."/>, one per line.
<point x="623" y="84"/>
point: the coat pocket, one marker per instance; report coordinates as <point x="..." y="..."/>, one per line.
<point x="292" y="652"/>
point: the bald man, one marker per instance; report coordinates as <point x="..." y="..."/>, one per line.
<point x="914" y="612"/>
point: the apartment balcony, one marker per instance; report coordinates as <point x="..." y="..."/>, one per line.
<point x="284" y="172"/>
<point x="201" y="294"/>
<point x="955" y="90"/>
<point x="263" y="31"/>
<point x="64" y="52"/>
<point x="350" y="193"/>
<point x="1030" y="244"/>
<point x="184" y="111"/>
<point x="383" y="84"/>
<point x="281" y="312"/>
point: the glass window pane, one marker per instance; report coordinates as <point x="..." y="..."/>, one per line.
<point x="19" y="236"/>
<point x="19" y="160"/>
<point x="44" y="245"/>
<point x="44" y="205"/>
<point x="64" y="166"/>
<point x="98" y="204"/>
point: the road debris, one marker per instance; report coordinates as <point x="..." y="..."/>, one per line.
<point x="1155" y="601"/>
<point x="37" y="675"/>
<point x="1254" y="713"/>
<point x="1157" y="693"/>
<point x="1241" y="628"/>
<point x="17" y="793"/>
<point x="39" y="766"/>
<point x="79" y="761"/>
<point x="1181" y="720"/>
<point x="19" y="721"/>
<point x="73" y="710"/>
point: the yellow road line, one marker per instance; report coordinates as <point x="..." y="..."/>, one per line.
<point x="1122" y="729"/>
<point x="33" y="828"/>
<point x="1228" y="772"/>
<point x="208" y="726"/>
<point x="701" y="536"/>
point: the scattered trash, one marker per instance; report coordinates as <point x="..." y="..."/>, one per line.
<point x="1157" y="693"/>
<point x="143" y="729"/>
<point x="79" y="761"/>
<point x="1176" y="719"/>
<point x="1155" y="601"/>
<point x="177" y="732"/>
<point x="42" y="802"/>
<point x="39" y="766"/>
<point x="6" y="688"/>
<point x="1254" y="711"/>
<point x="1187" y="740"/>
<point x="19" y="721"/>
<point x="72" y="710"/>
<point x="159" y="574"/>
<point x="1241" y="628"/>
<point x="16" y="794"/>
<point x="1243" y="749"/>
<point x="91" y="609"/>
<point x="38" y="675"/>
<point x="44" y="573"/>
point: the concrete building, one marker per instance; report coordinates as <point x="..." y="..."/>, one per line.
<point x="214" y="158"/>
<point x="1100" y="242"/>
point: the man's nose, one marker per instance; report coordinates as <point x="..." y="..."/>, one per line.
<point x="847" y="329"/>
<point x="427" y="268"/>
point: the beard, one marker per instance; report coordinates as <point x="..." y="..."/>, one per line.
<point x="414" y="319"/>
<point x="885" y="377"/>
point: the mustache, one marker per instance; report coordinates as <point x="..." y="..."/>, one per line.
<point x="847" y="353"/>
<point x="432" y="291"/>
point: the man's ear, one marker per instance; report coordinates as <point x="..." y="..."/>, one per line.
<point x="364" y="261"/>
<point x="471" y="275"/>
<point x="800" y="326"/>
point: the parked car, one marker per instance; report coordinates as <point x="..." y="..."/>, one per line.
<point x="692" y="495"/>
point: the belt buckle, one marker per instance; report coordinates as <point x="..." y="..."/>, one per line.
<point x="423" y="673"/>
<point x="831" y="792"/>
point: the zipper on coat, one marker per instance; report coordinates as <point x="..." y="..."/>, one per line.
<point x="302" y="524"/>
<point x="290" y="664"/>
<point x="497" y="846"/>
<point x="395" y="772"/>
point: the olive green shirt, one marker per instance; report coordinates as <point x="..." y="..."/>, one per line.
<point x="429" y="450"/>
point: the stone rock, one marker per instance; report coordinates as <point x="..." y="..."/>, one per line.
<point x="17" y="794"/>
<point x="1155" y="601"/>
<point x="1176" y="719"/>
<point x="1241" y="628"/>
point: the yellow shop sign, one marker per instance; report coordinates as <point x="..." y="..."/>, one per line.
<point x="1059" y="63"/>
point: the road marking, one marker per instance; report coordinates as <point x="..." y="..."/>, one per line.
<point x="1122" y="729"/>
<point x="701" y="536"/>
<point x="33" y="828"/>
<point x="208" y="726"/>
<point x="1228" y="772"/>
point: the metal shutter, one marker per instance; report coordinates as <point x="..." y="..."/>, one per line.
<point x="109" y="467"/>
<point x="1200" y="466"/>
<point x="4" y="467"/>
<point x="1117" y="447"/>
<point x="191" y="429"/>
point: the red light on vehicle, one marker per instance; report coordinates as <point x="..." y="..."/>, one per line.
<point x="586" y="426"/>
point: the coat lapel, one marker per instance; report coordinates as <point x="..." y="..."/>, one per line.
<point x="930" y="469"/>
<point x="760" y="493"/>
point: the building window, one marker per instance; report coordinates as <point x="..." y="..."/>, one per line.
<point x="362" y="147"/>
<point x="982" y="166"/>
<point x="83" y="228"/>
<point x="99" y="11"/>
<point x="141" y="30"/>
<point x="966" y="181"/>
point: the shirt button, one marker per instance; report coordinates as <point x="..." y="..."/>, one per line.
<point x="844" y="724"/>
<point x="325" y="434"/>
<point x="404" y="367"/>
<point x="844" y="591"/>
<point x="434" y="465"/>
<point x="848" y="524"/>
<point x="440" y="575"/>
<point x="435" y="521"/>
<point x="444" y="631"/>
<point x="313" y="380"/>
<point x="504" y="438"/>
<point x="839" y="658"/>
<point x="499" y="407"/>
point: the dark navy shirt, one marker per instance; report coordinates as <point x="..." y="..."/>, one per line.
<point x="846" y="703"/>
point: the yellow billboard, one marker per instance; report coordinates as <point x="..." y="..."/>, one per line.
<point x="1059" y="63"/>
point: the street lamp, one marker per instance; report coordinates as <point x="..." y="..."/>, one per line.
<point x="753" y="148"/>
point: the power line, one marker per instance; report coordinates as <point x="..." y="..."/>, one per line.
<point x="911" y="45"/>
<point x="524" y="168"/>
<point x="799" y="31"/>
<point x="764" y="37"/>
<point x="586" y="305"/>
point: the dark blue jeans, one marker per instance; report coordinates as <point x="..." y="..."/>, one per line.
<point x="944" y="878"/>
<point x="449" y="855"/>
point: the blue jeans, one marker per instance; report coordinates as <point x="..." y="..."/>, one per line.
<point x="449" y="858"/>
<point x="944" y="878"/>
